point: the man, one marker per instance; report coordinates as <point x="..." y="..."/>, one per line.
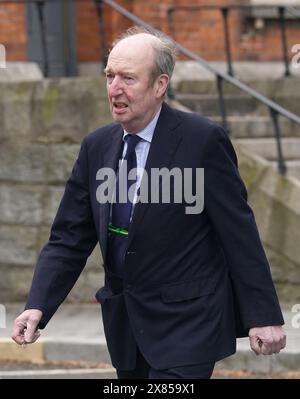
<point x="179" y="286"/>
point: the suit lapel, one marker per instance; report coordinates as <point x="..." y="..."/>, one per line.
<point x="165" y="141"/>
<point x="111" y="151"/>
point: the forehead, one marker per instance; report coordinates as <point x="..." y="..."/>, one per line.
<point x="131" y="54"/>
<point x="122" y="64"/>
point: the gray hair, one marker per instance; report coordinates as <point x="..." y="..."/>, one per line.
<point x="165" y="50"/>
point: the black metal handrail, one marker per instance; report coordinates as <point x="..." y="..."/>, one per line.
<point x="40" y="9"/>
<point x="274" y="108"/>
<point x="225" y="10"/>
<point x="293" y="11"/>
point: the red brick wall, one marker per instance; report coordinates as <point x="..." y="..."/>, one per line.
<point x="199" y="30"/>
<point x="187" y="28"/>
<point x="265" y="45"/>
<point x="87" y="31"/>
<point x="12" y="31"/>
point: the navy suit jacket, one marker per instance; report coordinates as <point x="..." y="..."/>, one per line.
<point x="192" y="283"/>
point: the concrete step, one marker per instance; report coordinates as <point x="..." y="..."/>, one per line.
<point x="255" y="126"/>
<point x="270" y="87"/>
<point x="236" y="104"/>
<point x="266" y="147"/>
<point x="293" y="168"/>
<point x="207" y="104"/>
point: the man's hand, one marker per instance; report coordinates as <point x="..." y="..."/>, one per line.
<point x="267" y="340"/>
<point x="25" y="327"/>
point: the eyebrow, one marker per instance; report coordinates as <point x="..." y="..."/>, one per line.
<point x="109" y="70"/>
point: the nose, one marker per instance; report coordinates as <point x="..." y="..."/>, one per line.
<point x="115" y="87"/>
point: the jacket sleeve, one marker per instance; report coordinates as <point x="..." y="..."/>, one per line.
<point x="72" y="239"/>
<point x="234" y="223"/>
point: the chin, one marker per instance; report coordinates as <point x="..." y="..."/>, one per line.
<point x="119" y="118"/>
<point x="122" y="116"/>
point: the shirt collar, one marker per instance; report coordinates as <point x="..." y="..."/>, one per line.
<point x="147" y="133"/>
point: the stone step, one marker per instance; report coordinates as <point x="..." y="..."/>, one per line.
<point x="266" y="147"/>
<point x="269" y="87"/>
<point x="236" y="104"/>
<point x="293" y="168"/>
<point x="255" y="126"/>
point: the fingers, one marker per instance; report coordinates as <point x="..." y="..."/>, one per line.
<point x="31" y="330"/>
<point x="267" y="340"/>
<point x="279" y="339"/>
<point x="267" y="347"/>
<point x="277" y="345"/>
<point x="33" y="338"/>
<point x="25" y="327"/>
<point x="18" y="331"/>
<point x="255" y="344"/>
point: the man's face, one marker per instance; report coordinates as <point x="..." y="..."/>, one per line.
<point x="134" y="98"/>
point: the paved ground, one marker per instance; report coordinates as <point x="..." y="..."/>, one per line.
<point x="73" y="346"/>
<point x="86" y="370"/>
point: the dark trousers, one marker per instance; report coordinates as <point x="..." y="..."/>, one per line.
<point x="144" y="371"/>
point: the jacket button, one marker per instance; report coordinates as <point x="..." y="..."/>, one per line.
<point x="141" y="331"/>
<point x="131" y="252"/>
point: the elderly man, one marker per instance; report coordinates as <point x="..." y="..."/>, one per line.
<point x="180" y="285"/>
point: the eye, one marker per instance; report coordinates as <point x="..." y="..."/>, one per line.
<point x="109" y="77"/>
<point x="128" y="79"/>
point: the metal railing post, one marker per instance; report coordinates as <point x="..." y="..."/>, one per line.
<point x="99" y="7"/>
<point x="281" y="163"/>
<point x="281" y="11"/>
<point x="170" y="15"/>
<point x="222" y="103"/>
<point x="70" y="56"/>
<point x="225" y="11"/>
<point x="40" y="10"/>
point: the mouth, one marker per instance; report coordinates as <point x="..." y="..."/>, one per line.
<point x="119" y="105"/>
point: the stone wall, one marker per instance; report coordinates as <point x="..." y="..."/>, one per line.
<point x="41" y="126"/>
<point x="275" y="201"/>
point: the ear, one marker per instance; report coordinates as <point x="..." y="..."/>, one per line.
<point x="162" y="85"/>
